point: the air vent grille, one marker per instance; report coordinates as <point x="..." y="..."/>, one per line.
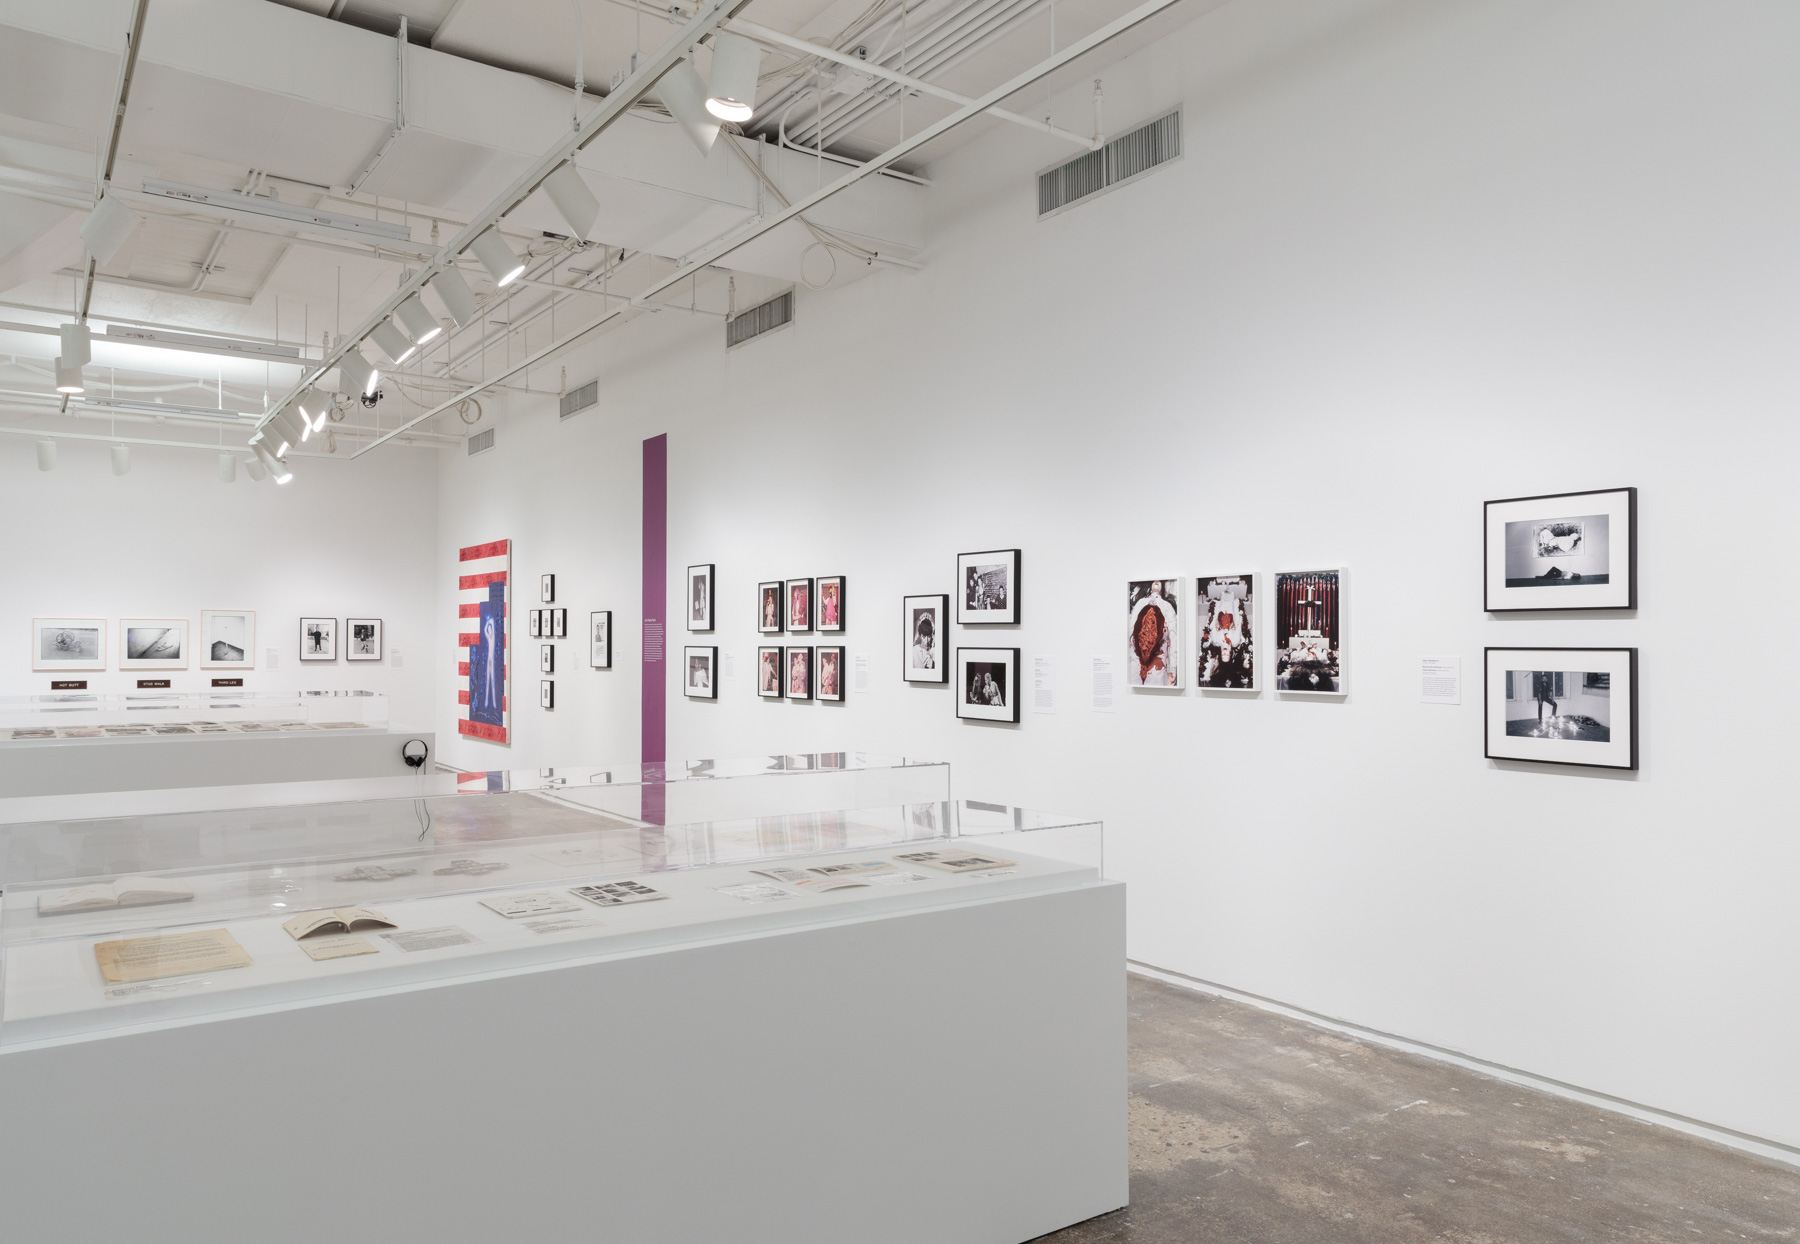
<point x="770" y="316"/>
<point x="577" y="400"/>
<point x="481" y="442"/>
<point x="1124" y="158"/>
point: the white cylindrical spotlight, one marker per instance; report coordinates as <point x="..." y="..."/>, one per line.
<point x="574" y="201"/>
<point x="227" y="469"/>
<point x="457" y="298"/>
<point x="683" y="94"/>
<point x="392" y="341"/>
<point x="107" y="228"/>
<point x="736" y="64"/>
<point x="279" y="434"/>
<point x="419" y="323"/>
<point x="46" y="455"/>
<point x="121" y="459"/>
<point x="68" y="378"/>
<point x="497" y="257"/>
<point x="77" y="345"/>
<point x="314" y="408"/>
<point x="276" y="470"/>
<point x="253" y="467"/>
<point x="355" y="374"/>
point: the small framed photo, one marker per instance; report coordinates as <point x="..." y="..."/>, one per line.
<point x="830" y="593"/>
<point x="547" y="694"/>
<point x="987" y="684"/>
<point x="700" y="597"/>
<point x="797" y="665"/>
<point x="1563" y="706"/>
<point x="1226" y="615"/>
<point x="318" y="639"/>
<point x="799" y="605"/>
<point x="600" y="639"/>
<point x="1153" y="633"/>
<point x="559" y="623"/>
<point x="546" y="658"/>
<point x="153" y="643"/>
<point x="923" y="620"/>
<point x="701" y="673"/>
<point x="988" y="584"/>
<point x="535" y="621"/>
<point x="547" y="588"/>
<point x="830" y="672"/>
<point x="68" y="644"/>
<point x="770" y="611"/>
<point x="768" y="673"/>
<point x="227" y="639"/>
<point x="1569" y="550"/>
<point x="364" y="640"/>
<point x="1311" y="657"/>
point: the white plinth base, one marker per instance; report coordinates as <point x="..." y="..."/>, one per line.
<point x="953" y="1075"/>
<point x="86" y="766"/>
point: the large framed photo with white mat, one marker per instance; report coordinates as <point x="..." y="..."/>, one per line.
<point x="1563" y="706"/>
<point x="227" y="639"/>
<point x="700" y="597"/>
<point x="926" y="621"/>
<point x="600" y="639"/>
<point x="987" y="684"/>
<point x="363" y="639"/>
<point x="318" y="639"/>
<point x="1568" y="550"/>
<point x="153" y="643"/>
<point x="987" y="587"/>
<point x="68" y="644"/>
<point x="700" y="673"/>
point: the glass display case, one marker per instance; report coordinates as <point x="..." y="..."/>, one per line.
<point x="179" y="906"/>
<point x="78" y="717"/>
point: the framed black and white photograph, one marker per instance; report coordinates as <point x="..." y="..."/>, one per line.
<point x="318" y="639"/>
<point x="1569" y="550"/>
<point x="600" y="639"/>
<point x="559" y="624"/>
<point x="227" y="639"/>
<point x="547" y="588"/>
<point x="700" y="597"/>
<point x="546" y="658"/>
<point x="797" y="672"/>
<point x="362" y="639"/>
<point x="987" y="681"/>
<point x="769" y="675"/>
<point x="1311" y="656"/>
<point x="829" y="609"/>
<point x="700" y="673"/>
<point x="923" y="620"/>
<point x="829" y="674"/>
<point x="153" y="643"/>
<point x="1153" y="633"/>
<point x="547" y="694"/>
<point x="68" y="644"/>
<point x="988" y="587"/>
<point x="799" y="605"/>
<point x="535" y="622"/>
<point x="770" y="607"/>
<point x="1563" y="706"/>
<point x="1226" y="618"/>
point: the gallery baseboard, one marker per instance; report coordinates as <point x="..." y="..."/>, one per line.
<point x="1773" y="1150"/>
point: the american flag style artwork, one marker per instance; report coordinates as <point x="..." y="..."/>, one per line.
<point x="482" y="584"/>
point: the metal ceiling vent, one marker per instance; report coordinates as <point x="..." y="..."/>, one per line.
<point x="753" y="323"/>
<point x="1125" y="158"/>
<point x="481" y="442"/>
<point x="577" y="400"/>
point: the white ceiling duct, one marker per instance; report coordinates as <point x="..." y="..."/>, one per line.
<point x="573" y="200"/>
<point x="685" y="97"/>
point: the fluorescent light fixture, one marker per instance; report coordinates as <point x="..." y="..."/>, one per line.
<point x="356" y="375"/>
<point x="685" y="97"/>
<point x="574" y="201"/>
<point x="121" y="459"/>
<point x="68" y="378"/>
<point x="199" y="341"/>
<point x="77" y="345"/>
<point x="392" y="341"/>
<point x="253" y="467"/>
<point x="227" y="469"/>
<point x="139" y="406"/>
<point x="233" y="203"/>
<point x="46" y="455"/>
<point x="279" y="472"/>
<point x="419" y="323"/>
<point x="107" y="228"/>
<point x="736" y="64"/>
<point x="497" y="257"/>
<point x="458" y="300"/>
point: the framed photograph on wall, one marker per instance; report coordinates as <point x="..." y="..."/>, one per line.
<point x="227" y="639"/>
<point x="547" y="694"/>
<point x="923" y="620"/>
<point x="799" y="605"/>
<point x="830" y="673"/>
<point x="1311" y="656"/>
<point x="600" y="639"/>
<point x="768" y="673"/>
<point x="1153" y="633"/>
<point x="68" y="644"/>
<point x="1563" y="706"/>
<point x="770" y="611"/>
<point x="1226" y="616"/>
<point x="547" y="588"/>
<point x="987" y="682"/>
<point x="700" y="673"/>
<point x="1568" y="550"/>
<point x="559" y="624"/>
<point x="318" y="639"/>
<point x="797" y="670"/>
<point x="153" y="643"/>
<point x="535" y="622"/>
<point x="363" y="639"/>
<point x="988" y="587"/>
<point x="830" y="593"/>
<point x="700" y="597"/>
<point x="546" y="658"/>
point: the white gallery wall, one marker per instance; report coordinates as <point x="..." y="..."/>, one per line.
<point x="343" y="539"/>
<point x="1415" y="256"/>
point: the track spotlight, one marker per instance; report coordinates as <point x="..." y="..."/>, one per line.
<point x="46" y="455"/>
<point x="121" y="458"/>
<point x="68" y="378"/>
<point x="253" y="467"/>
<point x="419" y="323"/>
<point x="573" y="200"/>
<point x="685" y="97"/>
<point x="107" y="228"/>
<point x="392" y="341"/>
<point x="356" y="376"/>
<point x="77" y="345"/>
<point x="497" y="257"/>
<point x="736" y="64"/>
<point x="457" y="298"/>
<point x="277" y="470"/>
<point x="314" y="408"/>
<point x="227" y="469"/>
<point x="277" y="434"/>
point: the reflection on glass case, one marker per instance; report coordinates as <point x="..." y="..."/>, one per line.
<point x="79" y="716"/>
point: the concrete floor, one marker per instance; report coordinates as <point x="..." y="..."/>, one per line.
<point x="1248" y="1128"/>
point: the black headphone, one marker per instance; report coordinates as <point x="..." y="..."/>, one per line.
<point x="414" y="760"/>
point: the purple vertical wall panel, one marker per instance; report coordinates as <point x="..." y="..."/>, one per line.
<point x="654" y="692"/>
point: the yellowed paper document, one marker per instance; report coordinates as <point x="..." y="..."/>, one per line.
<point x="171" y="954"/>
<point x="339" y="948"/>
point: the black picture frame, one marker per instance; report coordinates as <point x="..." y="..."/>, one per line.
<point x="1564" y="747"/>
<point x="559" y="623"/>
<point x="1568" y="583"/>
<point x="546" y="658"/>
<point x="773" y="592"/>
<point x="534" y="623"/>
<point x="600" y="639"/>
<point x="797" y="689"/>
<point x="980" y="578"/>
<point x="547" y="694"/>
<point x="834" y="585"/>
<point x="700" y="597"/>
<point x="972" y="663"/>
<point x="829" y="658"/>
<point x="354" y="643"/>
<point x="798" y="621"/>
<point x="771" y="675"/>
<point x="547" y="589"/>
<point x="708" y="657"/>
<point x="922" y="658"/>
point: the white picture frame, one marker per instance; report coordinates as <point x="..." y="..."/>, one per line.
<point x="159" y="643"/>
<point x="227" y="639"/>
<point x="363" y="639"/>
<point x="1154" y="653"/>
<point x="59" y="644"/>
<point x="925" y="623"/>
<point x="318" y="639"/>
